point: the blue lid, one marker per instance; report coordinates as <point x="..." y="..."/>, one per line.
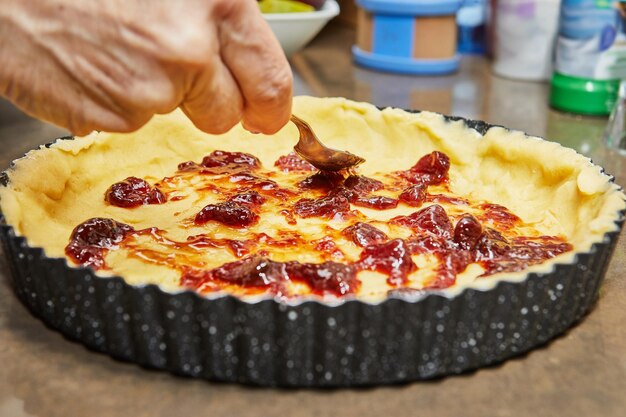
<point x="412" y="7"/>
<point x="404" y="65"/>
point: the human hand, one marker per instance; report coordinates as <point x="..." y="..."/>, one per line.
<point x="111" y="65"/>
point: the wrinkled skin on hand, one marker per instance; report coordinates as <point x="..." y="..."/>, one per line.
<point x="111" y="65"/>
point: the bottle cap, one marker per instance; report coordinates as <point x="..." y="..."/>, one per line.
<point x="583" y="95"/>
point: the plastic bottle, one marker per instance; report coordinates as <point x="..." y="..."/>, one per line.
<point x="471" y="20"/>
<point x="590" y="45"/>
<point x="524" y="38"/>
<point x="615" y="132"/>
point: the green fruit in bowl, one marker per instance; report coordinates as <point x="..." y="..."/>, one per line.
<point x="284" y="6"/>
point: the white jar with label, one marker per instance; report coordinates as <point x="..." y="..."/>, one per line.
<point x="524" y="38"/>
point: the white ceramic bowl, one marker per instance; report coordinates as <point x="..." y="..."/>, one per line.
<point x="295" y="30"/>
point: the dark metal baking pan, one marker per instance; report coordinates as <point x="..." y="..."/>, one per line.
<point x="307" y="344"/>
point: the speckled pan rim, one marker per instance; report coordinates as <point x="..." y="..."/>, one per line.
<point x="329" y="312"/>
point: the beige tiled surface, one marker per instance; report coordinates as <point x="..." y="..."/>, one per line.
<point x="580" y="374"/>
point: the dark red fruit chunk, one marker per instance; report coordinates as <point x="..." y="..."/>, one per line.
<point x="91" y="239"/>
<point x="100" y="232"/>
<point x="362" y="185"/>
<point x="431" y="169"/>
<point x="229" y="213"/>
<point x="323" y="181"/>
<point x="414" y="195"/>
<point x="436" y="163"/>
<point x="392" y="258"/>
<point x="259" y="272"/>
<point x="377" y="202"/>
<point x="467" y="232"/>
<point x="432" y="219"/>
<point x="364" y="234"/>
<point x="491" y="245"/>
<point x="249" y="198"/>
<point x="328" y="277"/>
<point x="253" y="271"/>
<point x="357" y="189"/>
<point x="224" y="158"/>
<point x="292" y="162"/>
<point x="326" y="207"/>
<point x="188" y="166"/>
<point x="133" y="192"/>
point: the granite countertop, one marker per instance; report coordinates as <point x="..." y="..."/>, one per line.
<point x="582" y="373"/>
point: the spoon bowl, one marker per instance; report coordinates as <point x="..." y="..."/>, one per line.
<point x="312" y="150"/>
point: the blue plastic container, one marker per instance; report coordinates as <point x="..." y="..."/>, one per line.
<point x="407" y="36"/>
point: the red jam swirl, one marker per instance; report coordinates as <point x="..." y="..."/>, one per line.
<point x="267" y="275"/>
<point x="356" y="189"/>
<point x="433" y="219"/>
<point x="519" y="253"/>
<point x="499" y="215"/>
<point x="244" y="189"/>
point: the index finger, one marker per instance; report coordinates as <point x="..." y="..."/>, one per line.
<point x="254" y="56"/>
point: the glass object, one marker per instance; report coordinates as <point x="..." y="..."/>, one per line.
<point x="615" y="133"/>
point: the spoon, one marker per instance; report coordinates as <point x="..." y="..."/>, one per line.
<point x="317" y="154"/>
